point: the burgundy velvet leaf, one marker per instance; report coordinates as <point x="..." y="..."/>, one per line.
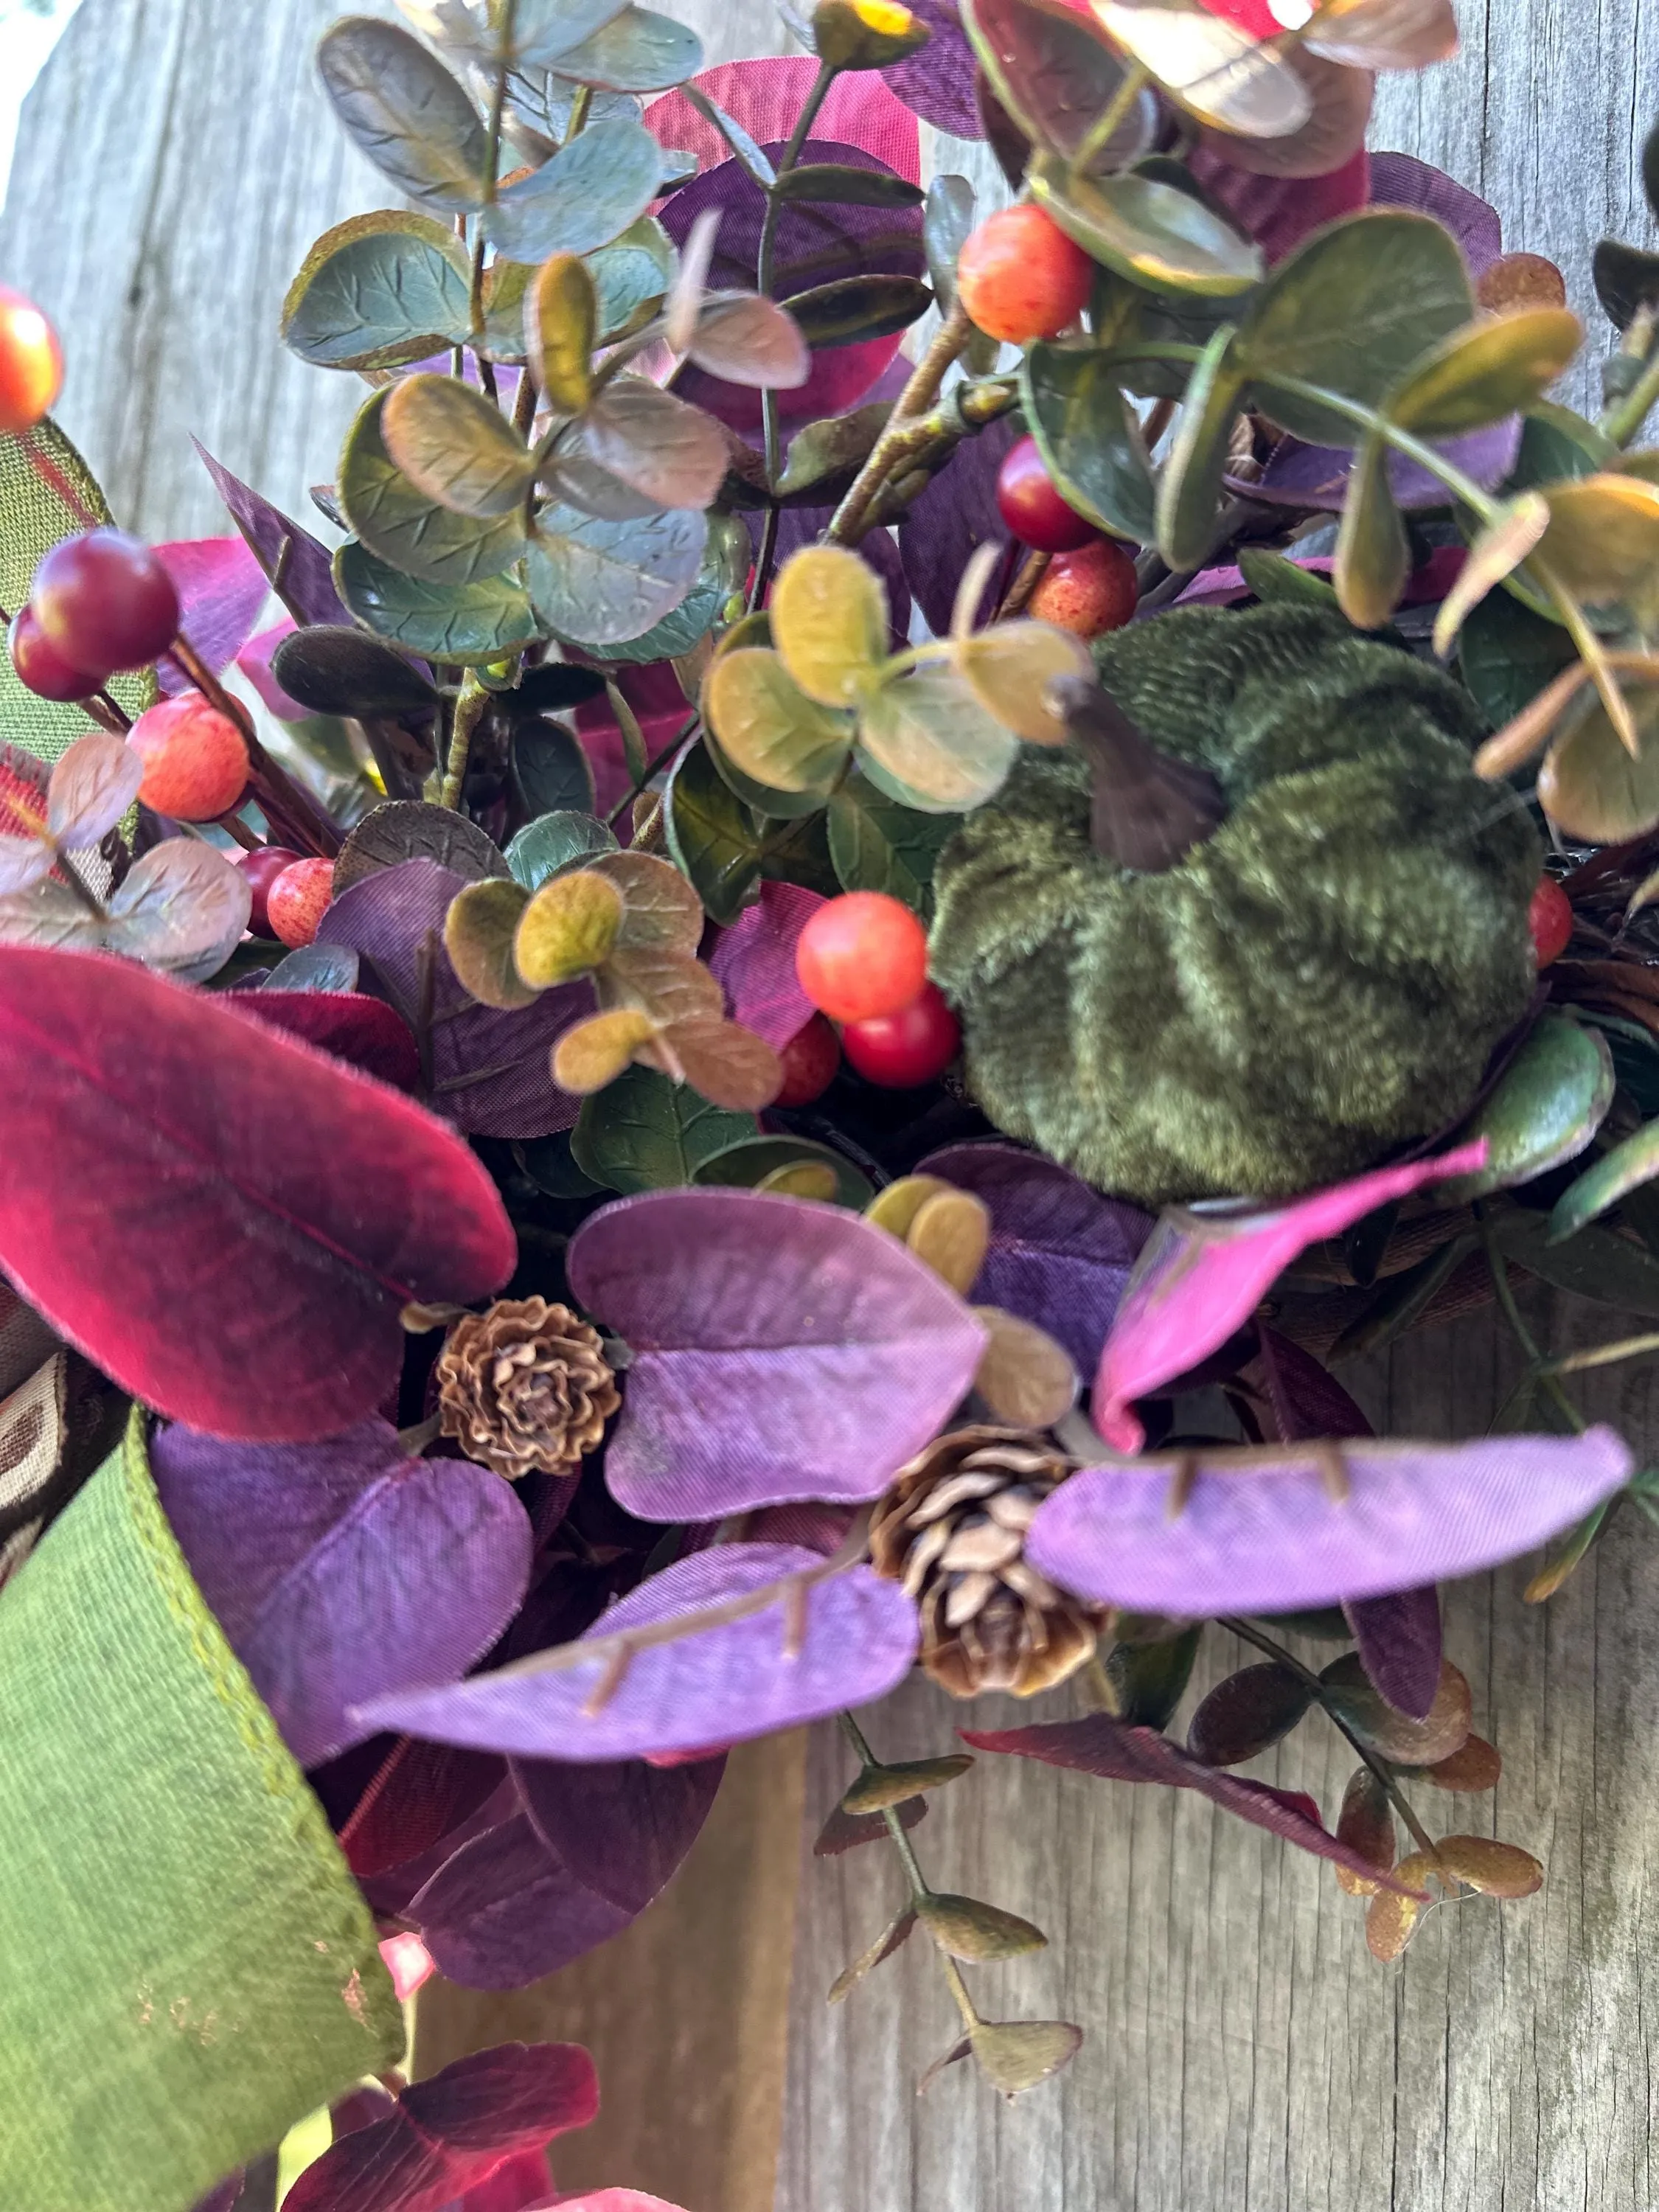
<point x="1279" y="212"/>
<point x="1203" y="1271"/>
<point x="224" y="1221"/>
<point x="1109" y="1747"/>
<point x="851" y="1640"/>
<point x="755" y="961"/>
<point x="621" y="1828"/>
<point x="1059" y="1253"/>
<point x="1402" y="181"/>
<point x="225" y="2197"/>
<point x="1270" y="1538"/>
<point x="354" y="1027"/>
<point x="221" y="589"/>
<point x="1399" y="1640"/>
<point x="938" y="83"/>
<point x="523" y="2182"/>
<point x="491" y="1070"/>
<point x="782" y="1350"/>
<point x="362" y="2108"/>
<point x="308" y="575"/>
<point x="342" y="1570"/>
<point x="1307" y="1400"/>
<point x="955" y="515"/>
<point x="421" y="1793"/>
<point x="447" y="2135"/>
<point x="1317" y="476"/>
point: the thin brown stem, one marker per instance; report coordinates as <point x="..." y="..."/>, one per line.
<point x="950" y="342"/>
<point x="491" y="173"/>
<point x="1031" y="571"/>
<point x="236" y="828"/>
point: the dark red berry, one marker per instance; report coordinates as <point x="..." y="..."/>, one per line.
<point x="261" y="870"/>
<point x="913" y="1046"/>
<point x="1550" y="919"/>
<point x="1031" y="504"/>
<point x="809" y="1060"/>
<point x="106" y="601"/>
<point x="40" y="666"/>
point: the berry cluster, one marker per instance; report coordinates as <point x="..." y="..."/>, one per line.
<point x="862" y="960"/>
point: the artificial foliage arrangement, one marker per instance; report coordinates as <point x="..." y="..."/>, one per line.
<point x="805" y="945"/>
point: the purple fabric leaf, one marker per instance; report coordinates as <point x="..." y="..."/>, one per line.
<point x="938" y="83"/>
<point x="1118" y="1753"/>
<point x="390" y="1890"/>
<point x="221" y="589"/>
<point x="1060" y="1254"/>
<point x="1316" y="477"/>
<point x="1203" y="1271"/>
<point x="491" y="1072"/>
<point x="955" y="516"/>
<point x="1279" y="212"/>
<point x="343" y="1569"/>
<point x="308" y="577"/>
<point x="1402" y="181"/>
<point x="1399" y="1641"/>
<point x="755" y="961"/>
<point x="1270" y="1537"/>
<point x="1307" y="1400"/>
<point x="851" y="1641"/>
<point x="782" y="1350"/>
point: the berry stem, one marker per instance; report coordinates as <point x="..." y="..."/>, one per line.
<point x="1031" y="571"/>
<point x="899" y="441"/>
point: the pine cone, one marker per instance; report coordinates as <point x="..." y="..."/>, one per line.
<point x="952" y="1530"/>
<point x="524" y="1386"/>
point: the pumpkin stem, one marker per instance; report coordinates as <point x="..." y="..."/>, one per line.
<point x="1149" y="810"/>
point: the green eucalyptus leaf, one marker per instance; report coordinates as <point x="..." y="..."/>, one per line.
<point x="877" y="845"/>
<point x="1125" y="316"/>
<point x="590" y="192"/>
<point x="1056" y="74"/>
<point x="598" y="583"/>
<point x="630" y="275"/>
<point x="852" y="309"/>
<point x="479" y="930"/>
<point x="946" y="224"/>
<point x="404" y="109"/>
<point x="671" y="453"/>
<point x="1189" y="487"/>
<point x="1626" y="281"/>
<point x="551" y="770"/>
<point x="379" y="291"/>
<point x="751" y="341"/>
<point x="750" y="156"/>
<point x="765" y="799"/>
<point x="1373" y="557"/>
<point x="455" y="448"/>
<point x="744" y="1166"/>
<point x="837" y="184"/>
<point x="506" y="287"/>
<point x="637" y="50"/>
<point x="400" y="525"/>
<point x="540" y="102"/>
<point x="331" y="669"/>
<point x="1596" y="1263"/>
<point x="1544" y="1109"/>
<point x="545" y="848"/>
<point x="1352" y="310"/>
<point x="1590" y="784"/>
<point x="466" y="623"/>
<point x="1495" y="367"/>
<point x="1627" y="1167"/>
<point x="833" y="449"/>
<point x="560" y="329"/>
<point x="644" y="1133"/>
<point x="829" y="623"/>
<point x="1556" y="444"/>
<point x="925" y="741"/>
<point x="712" y="837"/>
<point x="769" y="729"/>
<point x="1277" y="581"/>
<point x="1603" y="541"/>
<point x="1506" y="655"/>
<point x="1147" y="231"/>
<point x="1090" y="438"/>
<point x="798" y="851"/>
<point x="543" y="31"/>
<point x="718" y="577"/>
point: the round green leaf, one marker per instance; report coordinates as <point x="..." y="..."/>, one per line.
<point x="630" y="275"/>
<point x="1009" y="669"/>
<point x="724" y="563"/>
<point x="545" y="31"/>
<point x="560" y="329"/>
<point x="1557" y="443"/>
<point x="878" y="845"/>
<point x="1603" y="543"/>
<point x="1373" y="558"/>
<point x="767" y="727"/>
<point x="832" y="451"/>
<point x="637" y="50"/>
<point x="401" y="525"/>
<point x="590" y="192"/>
<point x="455" y="446"/>
<point x="836" y="184"/>
<point x="673" y="454"/>
<point x="599" y="583"/>
<point x="829" y="623"/>
<point x="1217" y="71"/>
<point x="551" y="844"/>
<point x="712" y="837"/>
<point x="1090" y="438"/>
<point x="1506" y="654"/>
<point x="746" y="1165"/>
<point x="926" y="740"/>
<point x="1125" y="317"/>
<point x="553" y="773"/>
<point x="466" y="623"/>
<point x="404" y="110"/>
<point x="644" y="1133"/>
<point x="1496" y="367"/>
<point x="765" y="799"/>
<point x="1189" y="487"/>
<point x="1056" y="74"/>
<point x="1548" y="1104"/>
<point x="1147" y="231"/>
<point x="379" y="291"/>
<point x="1589" y="785"/>
<point x="332" y="670"/>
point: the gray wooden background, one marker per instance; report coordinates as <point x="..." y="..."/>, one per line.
<point x="1245" y="2052"/>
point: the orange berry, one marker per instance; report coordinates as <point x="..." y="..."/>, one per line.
<point x="31" y="363"/>
<point x="1089" y="592"/>
<point x="1020" y="278"/>
<point x="298" y="900"/>
<point x="195" y="758"/>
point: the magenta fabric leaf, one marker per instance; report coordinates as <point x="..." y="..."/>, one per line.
<point x="491" y="1072"/>
<point x="938" y="83"/>
<point x="221" y="589"/>
<point x="308" y="577"/>
<point x="522" y="2182"/>
<point x="1399" y="1641"/>
<point x="1205" y="1271"/>
<point x="447" y="2135"/>
<point x="1061" y="1255"/>
<point x="1118" y="1753"/>
<point x="615" y="2200"/>
<point x="1269" y="1537"/>
<point x="254" y="661"/>
<point x="354" y="1027"/>
<point x="754" y="961"/>
<point x="1402" y="181"/>
<point x="342" y="1570"/>
<point x="806" y="1651"/>
<point x="782" y="1350"/>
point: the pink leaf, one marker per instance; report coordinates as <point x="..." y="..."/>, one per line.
<point x="755" y="960"/>
<point x="365" y="1031"/>
<point x="221" y="589"/>
<point x="767" y="95"/>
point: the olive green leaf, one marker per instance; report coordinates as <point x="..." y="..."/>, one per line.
<point x="402" y="525"/>
<point x="1353" y="310"/>
<point x="599" y="583"/>
<point x="1590" y="785"/>
<point x="753" y="341"/>
<point x="404" y="110"/>
<point x="567" y="928"/>
<point x="376" y="291"/>
<point x="1279" y="581"/>
<point x="758" y="1160"/>
<point x="877" y="845"/>
<point x="1602" y="542"/>
<point x="468" y="625"/>
<point x="1556" y="443"/>
<point x="925" y="741"/>
<point x="836" y="184"/>
<point x="711" y="836"/>
<point x="833" y="449"/>
<point x="829" y="623"/>
<point x="594" y="1053"/>
<point x="1544" y="1109"/>
<point x="506" y="287"/>
<point x="331" y="668"/>
<point x="1125" y="317"/>
<point x="896" y="1932"/>
<point x="751" y="157"/>
<point x="590" y="192"/>
<point x="767" y="727"/>
<point x="1373" y="557"/>
<point x="1495" y="553"/>
<point x="661" y="980"/>
<point x="768" y="801"/>
<point x="644" y="1133"/>
<point x="678" y="633"/>
<point x="866" y="34"/>
<point x="1627" y="1168"/>
<point x="1496" y="367"/>
<point x="1090" y="438"/>
<point x="1055" y="72"/>
<point x="968" y="1928"/>
<point x="1015" y="2055"/>
<point x="637" y="50"/>
<point x="876" y="1787"/>
<point x="1147" y="231"/>
<point x="479" y="930"/>
<point x="854" y="309"/>
<point x="1189" y="487"/>
<point x="1009" y="668"/>
<point x="673" y="454"/>
<point x="661" y="910"/>
<point x="560" y="329"/>
<point x="1507" y="654"/>
<point x="724" y="1062"/>
<point x="630" y="275"/>
<point x="553" y="842"/>
<point x="454" y="447"/>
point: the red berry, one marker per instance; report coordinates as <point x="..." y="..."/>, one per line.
<point x="31" y="363"/>
<point x="913" y="1046"/>
<point x="260" y="870"/>
<point x="40" y="666"/>
<point x="861" y="955"/>
<point x="195" y="758"/>
<point x="297" y="901"/>
<point x="1033" y="506"/>
<point x="809" y="1060"/>
<point x="1089" y="592"/>
<point x="1550" y="919"/>
<point x="1020" y="276"/>
<point x="106" y="601"/>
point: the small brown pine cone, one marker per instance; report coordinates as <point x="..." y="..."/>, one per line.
<point x="952" y="1530"/>
<point x="523" y="1387"/>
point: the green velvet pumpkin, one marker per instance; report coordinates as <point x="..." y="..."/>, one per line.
<point x="1320" y="982"/>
